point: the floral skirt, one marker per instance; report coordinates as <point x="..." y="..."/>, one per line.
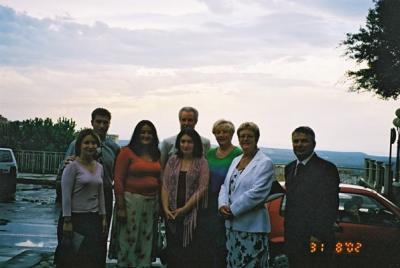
<point x="132" y="242"/>
<point x="246" y="250"/>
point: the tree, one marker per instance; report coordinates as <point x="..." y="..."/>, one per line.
<point x="37" y="134"/>
<point x="377" y="47"/>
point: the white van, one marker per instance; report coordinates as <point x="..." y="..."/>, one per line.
<point x="8" y="174"/>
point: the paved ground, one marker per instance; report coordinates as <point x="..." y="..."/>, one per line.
<point x="28" y="225"/>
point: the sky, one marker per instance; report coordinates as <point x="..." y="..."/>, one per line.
<point x="277" y="63"/>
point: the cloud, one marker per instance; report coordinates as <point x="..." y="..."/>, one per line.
<point x="30" y="41"/>
<point x="339" y="8"/>
<point x="219" y="6"/>
<point x="50" y="42"/>
<point x="354" y="8"/>
<point x="272" y="62"/>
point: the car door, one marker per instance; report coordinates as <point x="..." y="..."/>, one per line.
<point x="273" y="206"/>
<point x="8" y="174"/>
<point x="371" y="237"/>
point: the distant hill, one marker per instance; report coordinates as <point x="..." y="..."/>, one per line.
<point x="341" y="159"/>
<point x="123" y="142"/>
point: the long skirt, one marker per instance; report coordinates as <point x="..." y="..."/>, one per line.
<point x="132" y="242"/>
<point x="246" y="250"/>
<point x="91" y="253"/>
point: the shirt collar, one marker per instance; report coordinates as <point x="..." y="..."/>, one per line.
<point x="305" y="161"/>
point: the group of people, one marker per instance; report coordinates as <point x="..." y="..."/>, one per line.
<point x="211" y="200"/>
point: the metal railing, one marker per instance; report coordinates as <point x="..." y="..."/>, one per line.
<point x="42" y="162"/>
<point x="38" y="161"/>
<point x="347" y="175"/>
<point x="375" y="174"/>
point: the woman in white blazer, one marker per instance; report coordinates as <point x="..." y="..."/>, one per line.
<point x="241" y="202"/>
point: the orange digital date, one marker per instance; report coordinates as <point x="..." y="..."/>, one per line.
<point x="347" y="247"/>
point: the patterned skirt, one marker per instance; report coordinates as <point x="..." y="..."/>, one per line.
<point x="246" y="250"/>
<point x="132" y="242"/>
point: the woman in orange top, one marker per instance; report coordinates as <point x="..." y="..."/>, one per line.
<point x="136" y="186"/>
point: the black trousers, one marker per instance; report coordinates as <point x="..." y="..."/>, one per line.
<point x="108" y="200"/>
<point x="92" y="252"/>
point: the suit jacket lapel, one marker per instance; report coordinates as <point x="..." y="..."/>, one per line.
<point x="291" y="171"/>
<point x="232" y="168"/>
<point x="295" y="180"/>
<point x="248" y="168"/>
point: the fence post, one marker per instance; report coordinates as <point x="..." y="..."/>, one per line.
<point x="372" y="168"/>
<point x="378" y="176"/>
<point x="387" y="183"/>
<point x="367" y="167"/>
<point x="32" y="163"/>
<point x="43" y="162"/>
<point x="38" y="161"/>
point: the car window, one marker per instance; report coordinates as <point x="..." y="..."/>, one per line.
<point x="5" y="156"/>
<point x="361" y="209"/>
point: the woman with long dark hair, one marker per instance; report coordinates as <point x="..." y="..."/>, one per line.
<point x="184" y="192"/>
<point x="136" y="186"/>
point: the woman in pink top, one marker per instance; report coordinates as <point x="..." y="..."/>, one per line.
<point x="137" y="186"/>
<point x="83" y="208"/>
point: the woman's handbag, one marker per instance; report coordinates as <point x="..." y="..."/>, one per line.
<point x="68" y="248"/>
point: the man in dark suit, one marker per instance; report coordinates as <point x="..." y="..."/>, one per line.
<point x="312" y="186"/>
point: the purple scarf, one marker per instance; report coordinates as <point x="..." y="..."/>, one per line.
<point x="196" y="184"/>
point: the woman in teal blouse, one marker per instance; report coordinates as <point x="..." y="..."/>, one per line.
<point x="211" y="224"/>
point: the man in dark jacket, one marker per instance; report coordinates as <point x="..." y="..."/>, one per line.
<point x="312" y="186"/>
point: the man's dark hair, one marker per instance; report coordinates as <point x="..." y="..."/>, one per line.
<point x="85" y="132"/>
<point x="305" y="130"/>
<point x="101" y="112"/>
<point x="198" y="146"/>
<point x="138" y="148"/>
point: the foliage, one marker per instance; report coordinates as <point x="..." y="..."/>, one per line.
<point x="377" y="47"/>
<point x="37" y="134"/>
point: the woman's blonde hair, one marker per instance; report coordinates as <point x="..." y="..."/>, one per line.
<point x="250" y="126"/>
<point x="229" y="124"/>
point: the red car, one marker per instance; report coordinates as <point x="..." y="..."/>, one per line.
<point x="367" y="229"/>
